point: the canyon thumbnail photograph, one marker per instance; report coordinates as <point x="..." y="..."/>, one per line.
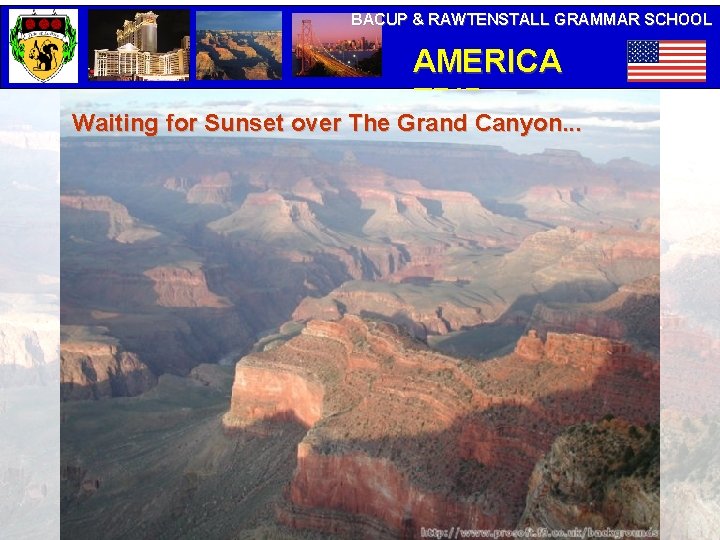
<point x="354" y="337"/>
<point x="238" y="45"/>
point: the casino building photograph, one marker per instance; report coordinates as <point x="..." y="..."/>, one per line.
<point x="139" y="46"/>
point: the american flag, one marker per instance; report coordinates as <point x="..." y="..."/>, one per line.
<point x="666" y="60"/>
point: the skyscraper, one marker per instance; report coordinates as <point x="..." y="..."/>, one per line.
<point x="142" y="32"/>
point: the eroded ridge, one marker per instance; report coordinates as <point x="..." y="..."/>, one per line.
<point x="401" y="437"/>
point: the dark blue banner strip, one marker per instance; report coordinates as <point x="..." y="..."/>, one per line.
<point x="421" y="47"/>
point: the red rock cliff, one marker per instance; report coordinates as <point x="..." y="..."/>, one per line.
<point x="183" y="286"/>
<point x="100" y="369"/>
<point x="401" y="437"/>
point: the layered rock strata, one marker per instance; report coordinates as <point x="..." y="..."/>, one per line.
<point x="400" y="437"/>
<point x="96" y="369"/>
<point x="601" y="475"/>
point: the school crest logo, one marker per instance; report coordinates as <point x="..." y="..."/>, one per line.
<point x="43" y="44"/>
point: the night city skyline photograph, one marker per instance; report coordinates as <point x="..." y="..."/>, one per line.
<point x="329" y="45"/>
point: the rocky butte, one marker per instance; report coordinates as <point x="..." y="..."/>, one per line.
<point x="595" y="474"/>
<point x="193" y="252"/>
<point x="94" y="366"/>
<point x="401" y="437"/>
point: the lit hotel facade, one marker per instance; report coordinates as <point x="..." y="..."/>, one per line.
<point x="137" y="56"/>
<point x="141" y="32"/>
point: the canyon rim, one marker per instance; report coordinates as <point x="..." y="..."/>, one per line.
<point x="286" y="338"/>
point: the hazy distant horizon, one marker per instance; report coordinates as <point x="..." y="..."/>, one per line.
<point x="254" y="21"/>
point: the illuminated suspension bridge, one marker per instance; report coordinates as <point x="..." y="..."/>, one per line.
<point x="310" y="53"/>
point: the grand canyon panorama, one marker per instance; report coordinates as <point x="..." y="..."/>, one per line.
<point x="315" y="339"/>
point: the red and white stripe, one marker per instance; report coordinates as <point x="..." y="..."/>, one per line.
<point x="680" y="61"/>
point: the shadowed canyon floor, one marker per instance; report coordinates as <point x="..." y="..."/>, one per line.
<point x="402" y="438"/>
<point x="350" y="428"/>
<point x="230" y="55"/>
<point x="160" y="466"/>
<point x="414" y="339"/>
<point x="197" y="249"/>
